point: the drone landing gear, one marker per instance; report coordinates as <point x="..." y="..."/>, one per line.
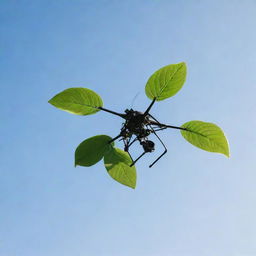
<point x="165" y="149"/>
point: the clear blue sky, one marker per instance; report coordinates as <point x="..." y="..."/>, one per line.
<point x="192" y="203"/>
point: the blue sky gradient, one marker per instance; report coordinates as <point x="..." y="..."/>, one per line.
<point x="192" y="203"/>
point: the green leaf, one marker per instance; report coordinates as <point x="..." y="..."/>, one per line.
<point x="166" y="81"/>
<point x="92" y="150"/>
<point x="79" y="101"/>
<point x="117" y="163"/>
<point x="207" y="136"/>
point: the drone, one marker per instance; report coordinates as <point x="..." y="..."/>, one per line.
<point x="137" y="127"/>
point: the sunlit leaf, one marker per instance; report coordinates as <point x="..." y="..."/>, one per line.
<point x="166" y="81"/>
<point x="79" y="101"/>
<point x="92" y="150"/>
<point x="206" y="136"/>
<point x="117" y="163"/>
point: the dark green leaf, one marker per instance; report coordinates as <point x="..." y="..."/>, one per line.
<point x="117" y="163"/>
<point x="92" y="150"/>
<point x="79" y="101"/>
<point x="166" y="81"/>
<point x="206" y="136"/>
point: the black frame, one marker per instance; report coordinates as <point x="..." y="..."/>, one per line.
<point x="140" y="125"/>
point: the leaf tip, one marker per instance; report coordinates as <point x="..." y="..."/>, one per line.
<point x="183" y="63"/>
<point x="133" y="186"/>
<point x="227" y="154"/>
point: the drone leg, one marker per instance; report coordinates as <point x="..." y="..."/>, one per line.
<point x="132" y="142"/>
<point x="126" y="142"/>
<point x="127" y="146"/>
<point x="158" y="158"/>
<point x="133" y="163"/>
<point x="130" y="157"/>
<point x="165" y="149"/>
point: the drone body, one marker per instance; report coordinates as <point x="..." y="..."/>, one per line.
<point x="137" y="124"/>
<point x="137" y="127"/>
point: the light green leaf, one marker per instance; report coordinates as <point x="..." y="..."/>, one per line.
<point x="79" y="101"/>
<point x="117" y="163"/>
<point x="166" y="81"/>
<point x="92" y="150"/>
<point x="206" y="136"/>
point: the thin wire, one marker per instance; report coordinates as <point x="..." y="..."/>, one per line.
<point x="134" y="98"/>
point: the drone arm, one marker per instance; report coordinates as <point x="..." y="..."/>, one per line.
<point x="160" y="129"/>
<point x="163" y="126"/>
<point x="118" y="136"/>
<point x="149" y="107"/>
<point x="157" y="124"/>
<point x="166" y="126"/>
<point x="154" y="118"/>
<point x="112" y="112"/>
